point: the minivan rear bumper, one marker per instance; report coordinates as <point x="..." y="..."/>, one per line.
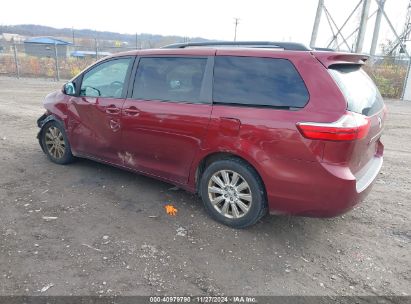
<point x="320" y="190"/>
<point x="369" y="174"/>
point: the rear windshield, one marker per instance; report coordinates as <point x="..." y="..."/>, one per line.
<point x="359" y="90"/>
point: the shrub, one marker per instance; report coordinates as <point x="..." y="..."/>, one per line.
<point x="388" y="76"/>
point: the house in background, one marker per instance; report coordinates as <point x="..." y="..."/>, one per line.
<point x="45" y="47"/>
<point x="7" y="41"/>
<point x="12" y="38"/>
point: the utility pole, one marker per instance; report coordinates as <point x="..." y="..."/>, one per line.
<point x="72" y="32"/>
<point x="16" y="60"/>
<point x="377" y="27"/>
<point x="403" y="38"/>
<point x="363" y="25"/>
<point x="96" y="47"/>
<point x="317" y="20"/>
<point x="407" y="26"/>
<point x="136" y="42"/>
<point x="237" y="20"/>
<point x="355" y="40"/>
<point x="398" y="38"/>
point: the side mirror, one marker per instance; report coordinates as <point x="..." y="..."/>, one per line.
<point x="69" y="88"/>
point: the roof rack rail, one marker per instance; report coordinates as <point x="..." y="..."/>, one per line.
<point x="292" y="46"/>
<point x="323" y="49"/>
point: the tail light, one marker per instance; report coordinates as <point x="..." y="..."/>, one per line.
<point x="349" y="127"/>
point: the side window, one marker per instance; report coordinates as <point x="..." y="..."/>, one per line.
<point x="106" y="79"/>
<point x="258" y="82"/>
<point x="170" y="79"/>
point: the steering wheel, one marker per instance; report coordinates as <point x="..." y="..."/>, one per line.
<point x="116" y="84"/>
<point x="117" y="87"/>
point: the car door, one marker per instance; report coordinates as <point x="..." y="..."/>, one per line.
<point x="166" y="117"/>
<point x="95" y="113"/>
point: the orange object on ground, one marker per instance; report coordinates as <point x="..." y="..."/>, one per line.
<point x="170" y="210"/>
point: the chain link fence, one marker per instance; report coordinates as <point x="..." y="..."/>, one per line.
<point x="389" y="73"/>
<point x="50" y="61"/>
<point x="58" y="62"/>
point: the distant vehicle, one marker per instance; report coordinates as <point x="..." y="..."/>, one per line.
<point x="250" y="126"/>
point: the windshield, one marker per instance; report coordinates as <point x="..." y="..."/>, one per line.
<point x="359" y="90"/>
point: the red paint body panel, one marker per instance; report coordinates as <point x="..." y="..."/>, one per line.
<point x="164" y="137"/>
<point x="56" y="103"/>
<point x="94" y="127"/>
<point x="332" y="58"/>
<point x="169" y="140"/>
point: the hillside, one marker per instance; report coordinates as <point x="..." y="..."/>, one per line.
<point x="149" y="40"/>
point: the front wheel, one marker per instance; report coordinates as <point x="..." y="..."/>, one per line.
<point x="233" y="193"/>
<point x="55" y="143"/>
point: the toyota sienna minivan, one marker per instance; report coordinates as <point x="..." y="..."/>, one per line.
<point x="252" y="127"/>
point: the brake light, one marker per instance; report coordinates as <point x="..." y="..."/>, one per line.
<point x="349" y="127"/>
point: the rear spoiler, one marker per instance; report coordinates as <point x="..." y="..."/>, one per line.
<point x="328" y="59"/>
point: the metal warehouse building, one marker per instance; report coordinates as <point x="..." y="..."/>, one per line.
<point x="45" y="47"/>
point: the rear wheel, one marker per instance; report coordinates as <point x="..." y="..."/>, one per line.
<point x="55" y="143"/>
<point x="233" y="193"/>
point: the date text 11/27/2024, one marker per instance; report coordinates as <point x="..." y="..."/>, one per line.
<point x="203" y="299"/>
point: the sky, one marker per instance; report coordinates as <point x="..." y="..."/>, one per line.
<point x="275" y="20"/>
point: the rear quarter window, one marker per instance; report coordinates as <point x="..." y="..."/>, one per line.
<point x="359" y="90"/>
<point x="255" y="81"/>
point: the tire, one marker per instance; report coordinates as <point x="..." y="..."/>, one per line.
<point x="227" y="199"/>
<point x="54" y="135"/>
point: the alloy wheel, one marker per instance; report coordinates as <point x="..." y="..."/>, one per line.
<point x="230" y="194"/>
<point x="54" y="141"/>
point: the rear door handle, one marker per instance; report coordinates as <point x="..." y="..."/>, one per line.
<point x="112" y="109"/>
<point x="131" y="111"/>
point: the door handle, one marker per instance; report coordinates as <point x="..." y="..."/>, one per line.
<point x="131" y="111"/>
<point x="112" y="109"/>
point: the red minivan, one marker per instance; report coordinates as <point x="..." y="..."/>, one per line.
<point x="250" y="126"/>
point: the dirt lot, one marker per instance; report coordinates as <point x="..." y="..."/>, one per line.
<point x="90" y="229"/>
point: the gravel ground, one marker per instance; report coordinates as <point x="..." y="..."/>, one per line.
<point x="91" y="229"/>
